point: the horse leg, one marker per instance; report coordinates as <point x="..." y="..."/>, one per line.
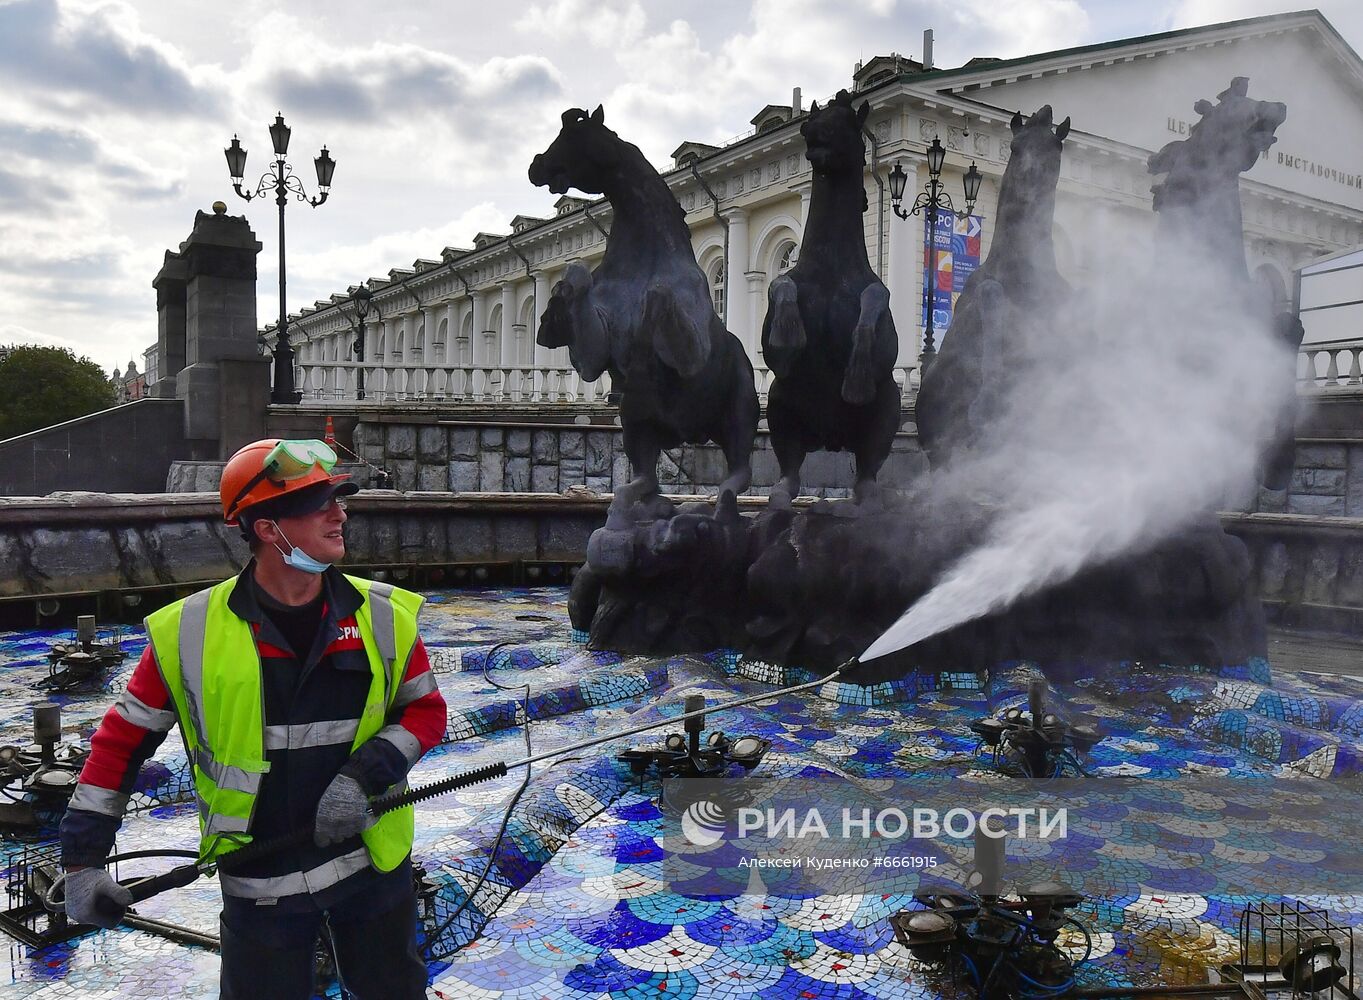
<point x="642" y="448"/>
<point x="740" y="427"/>
<point x="557" y="321"/>
<point x="783" y="332"/>
<point x="788" y="443"/>
<point x="875" y="443"/>
<point x="859" y="381"/>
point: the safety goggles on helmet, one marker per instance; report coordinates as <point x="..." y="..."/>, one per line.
<point x="285" y="462"/>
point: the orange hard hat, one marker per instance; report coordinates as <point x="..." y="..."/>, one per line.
<point x="272" y="468"/>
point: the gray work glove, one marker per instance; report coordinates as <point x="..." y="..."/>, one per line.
<point x="93" y="897"/>
<point x="342" y="812"/>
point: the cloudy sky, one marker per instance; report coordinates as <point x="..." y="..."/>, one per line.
<point x="113" y="117"/>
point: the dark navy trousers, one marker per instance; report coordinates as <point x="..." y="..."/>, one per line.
<point x="272" y="956"/>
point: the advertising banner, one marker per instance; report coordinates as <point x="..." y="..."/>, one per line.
<point x="958" y="255"/>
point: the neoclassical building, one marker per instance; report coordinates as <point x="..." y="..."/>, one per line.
<point x="461" y="325"/>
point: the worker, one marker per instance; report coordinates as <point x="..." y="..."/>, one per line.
<point x="300" y="693"/>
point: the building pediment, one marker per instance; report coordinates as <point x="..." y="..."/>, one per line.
<point x="1141" y="91"/>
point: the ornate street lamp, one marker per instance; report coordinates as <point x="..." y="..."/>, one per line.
<point x="281" y="179"/>
<point x="933" y="201"/>
<point x="363" y="299"/>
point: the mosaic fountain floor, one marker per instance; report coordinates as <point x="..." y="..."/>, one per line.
<point x="583" y="901"/>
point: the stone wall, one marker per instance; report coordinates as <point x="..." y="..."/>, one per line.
<point x="550" y="458"/>
<point x="126" y="448"/>
<point x="1308" y="569"/>
<point x="1327" y="480"/>
<point x="126" y="551"/>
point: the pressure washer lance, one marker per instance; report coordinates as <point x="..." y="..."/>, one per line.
<point x="185" y="874"/>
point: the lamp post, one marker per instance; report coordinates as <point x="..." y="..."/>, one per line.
<point x="364" y="301"/>
<point x="281" y="179"/>
<point x="933" y="202"/>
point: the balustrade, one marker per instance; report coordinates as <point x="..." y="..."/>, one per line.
<point x="333" y="381"/>
<point x="1330" y="364"/>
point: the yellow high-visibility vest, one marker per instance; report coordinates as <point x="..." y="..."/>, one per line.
<point x="211" y="667"/>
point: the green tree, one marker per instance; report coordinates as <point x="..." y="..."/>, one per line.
<point x="42" y="386"/>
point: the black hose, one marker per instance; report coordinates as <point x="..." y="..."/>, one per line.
<point x="434" y="936"/>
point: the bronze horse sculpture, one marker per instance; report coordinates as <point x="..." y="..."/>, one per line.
<point x="1004" y="310"/>
<point x="828" y="335"/>
<point x="645" y="314"/>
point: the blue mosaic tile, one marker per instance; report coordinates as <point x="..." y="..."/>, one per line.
<point x="580" y="902"/>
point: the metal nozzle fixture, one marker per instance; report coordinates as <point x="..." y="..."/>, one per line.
<point x="85" y="631"/>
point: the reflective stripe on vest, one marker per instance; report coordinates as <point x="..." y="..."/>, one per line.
<point x="311" y="734"/>
<point x="211" y="666"/>
<point x="314" y="880"/>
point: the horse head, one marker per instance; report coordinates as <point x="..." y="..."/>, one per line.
<point x="1027" y="192"/>
<point x="581" y="156"/>
<point x="833" y="139"/>
<point x="1229" y="137"/>
<point x="1035" y="149"/>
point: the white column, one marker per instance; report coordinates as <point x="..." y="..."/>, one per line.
<point x="803" y="189"/>
<point x="904" y="274"/>
<point x="541" y="279"/>
<point x="432" y="321"/>
<point x="477" y="349"/>
<point x="451" y="332"/>
<point x="756" y="282"/>
<point x="508" y="323"/>
<point x="735" y="288"/>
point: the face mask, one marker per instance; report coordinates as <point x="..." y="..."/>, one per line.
<point x="299" y="559"/>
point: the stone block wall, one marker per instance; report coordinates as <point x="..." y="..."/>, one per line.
<point x="529" y="458"/>
<point x="1327" y="480"/>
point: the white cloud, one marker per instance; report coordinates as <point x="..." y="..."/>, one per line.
<point x="603" y="24"/>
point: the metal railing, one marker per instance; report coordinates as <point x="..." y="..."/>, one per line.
<point x="336" y="381"/>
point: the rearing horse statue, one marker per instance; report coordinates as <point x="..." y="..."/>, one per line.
<point x="1005" y="309"/>
<point x="828" y="334"/>
<point x="645" y="313"/>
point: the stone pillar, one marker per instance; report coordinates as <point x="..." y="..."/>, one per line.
<point x="508" y="331"/>
<point x="221" y="361"/>
<point x="904" y="272"/>
<point x="735" y="288"/>
<point x="170" y="323"/>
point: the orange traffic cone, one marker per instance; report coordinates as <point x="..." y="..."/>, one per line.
<point x="330" y="436"/>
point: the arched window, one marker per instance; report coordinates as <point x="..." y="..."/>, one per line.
<point x="464" y="346"/>
<point x="419" y="342"/>
<point x="717" y="279"/>
<point x="787" y="256"/>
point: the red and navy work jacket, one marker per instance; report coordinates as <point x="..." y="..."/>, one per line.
<point x="331" y="682"/>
